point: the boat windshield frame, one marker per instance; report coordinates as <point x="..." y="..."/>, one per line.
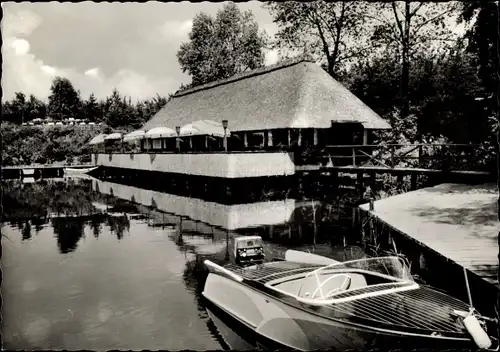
<point x="405" y="277"/>
<point x="402" y="282"/>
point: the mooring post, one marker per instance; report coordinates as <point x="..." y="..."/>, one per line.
<point x="359" y="181"/>
<point x="413" y="181"/>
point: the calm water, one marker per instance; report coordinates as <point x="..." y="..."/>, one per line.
<point x="95" y="265"/>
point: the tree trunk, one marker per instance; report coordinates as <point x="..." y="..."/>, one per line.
<point x="405" y="108"/>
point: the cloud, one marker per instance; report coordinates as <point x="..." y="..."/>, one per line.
<point x="176" y="28"/>
<point x="93" y="72"/>
<point x="21" y="46"/>
<point x="101" y="46"/>
<point x="23" y="71"/>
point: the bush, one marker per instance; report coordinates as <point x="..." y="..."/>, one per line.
<point x="24" y="145"/>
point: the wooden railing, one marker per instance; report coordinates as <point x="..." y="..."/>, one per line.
<point x="425" y="156"/>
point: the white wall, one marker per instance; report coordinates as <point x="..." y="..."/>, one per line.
<point x="229" y="165"/>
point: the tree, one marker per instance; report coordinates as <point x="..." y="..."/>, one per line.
<point x="483" y="45"/>
<point x="407" y="29"/>
<point x="115" y="114"/>
<point x="442" y="90"/>
<point x="223" y="46"/>
<point x="64" y="100"/>
<point x="35" y="108"/>
<point x="91" y="109"/>
<point x="331" y="31"/>
<point x="18" y="107"/>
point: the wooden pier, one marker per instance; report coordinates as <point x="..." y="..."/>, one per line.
<point x="37" y="171"/>
<point x="456" y="221"/>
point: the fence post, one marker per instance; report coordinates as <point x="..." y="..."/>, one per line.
<point x="420" y="155"/>
<point x="442" y="154"/>
<point x="353" y="156"/>
<point x="393" y="150"/>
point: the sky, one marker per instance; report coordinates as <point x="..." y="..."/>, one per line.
<point x="100" y="46"/>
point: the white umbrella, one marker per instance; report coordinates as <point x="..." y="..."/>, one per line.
<point x="113" y="137"/>
<point x="160" y="132"/>
<point x="189" y="130"/>
<point x="210" y="127"/>
<point x="98" y="139"/>
<point x="133" y="136"/>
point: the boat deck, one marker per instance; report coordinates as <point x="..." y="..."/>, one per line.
<point x="271" y="271"/>
<point x="405" y="308"/>
<point x="458" y="221"/>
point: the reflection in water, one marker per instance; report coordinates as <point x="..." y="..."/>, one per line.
<point x="286" y="220"/>
<point x="26" y="231"/>
<point x="96" y="225"/>
<point x="68" y="232"/>
<point x="118" y="223"/>
<point x="136" y="277"/>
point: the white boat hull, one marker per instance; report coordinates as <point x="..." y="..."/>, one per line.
<point x="290" y="327"/>
<point x="69" y="170"/>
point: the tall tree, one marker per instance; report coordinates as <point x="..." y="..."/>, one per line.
<point x="15" y="110"/>
<point x="223" y="46"/>
<point x="64" y="100"/>
<point x="483" y="39"/>
<point x="331" y="31"/>
<point x="115" y="114"/>
<point x="408" y="28"/>
<point x="91" y="109"/>
<point x="35" y="108"/>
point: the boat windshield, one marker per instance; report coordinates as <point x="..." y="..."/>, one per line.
<point x="395" y="267"/>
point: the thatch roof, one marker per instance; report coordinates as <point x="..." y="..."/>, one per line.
<point x="292" y="94"/>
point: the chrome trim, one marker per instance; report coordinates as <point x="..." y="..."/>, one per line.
<point x="223" y="270"/>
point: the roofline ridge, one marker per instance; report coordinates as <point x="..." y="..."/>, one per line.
<point x="256" y="72"/>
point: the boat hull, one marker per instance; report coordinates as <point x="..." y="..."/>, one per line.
<point x="275" y="321"/>
<point x="76" y="171"/>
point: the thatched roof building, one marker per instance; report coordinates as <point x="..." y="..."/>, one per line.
<point x="293" y="94"/>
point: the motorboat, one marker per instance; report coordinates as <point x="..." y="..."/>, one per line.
<point x="310" y="302"/>
<point x="78" y="171"/>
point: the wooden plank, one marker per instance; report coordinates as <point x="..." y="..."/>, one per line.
<point x="457" y="221"/>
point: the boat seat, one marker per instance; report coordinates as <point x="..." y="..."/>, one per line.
<point x="309" y="285"/>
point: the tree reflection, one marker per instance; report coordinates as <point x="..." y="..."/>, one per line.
<point x="96" y="225"/>
<point x="38" y="223"/>
<point x="31" y="205"/>
<point x="118" y="224"/>
<point x="26" y="231"/>
<point x="68" y="232"/>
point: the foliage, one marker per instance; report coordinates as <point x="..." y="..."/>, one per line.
<point x="331" y="31"/>
<point x="20" y="110"/>
<point x="24" y="145"/>
<point x="91" y="109"/>
<point x="223" y="46"/>
<point x="116" y="111"/>
<point x="64" y="100"/>
<point x="412" y="29"/>
<point x="42" y="144"/>
<point x="482" y="39"/>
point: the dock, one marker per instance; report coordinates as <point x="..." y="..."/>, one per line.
<point x="38" y="171"/>
<point x="457" y="221"/>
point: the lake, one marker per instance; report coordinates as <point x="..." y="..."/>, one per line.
<point x="90" y="264"/>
